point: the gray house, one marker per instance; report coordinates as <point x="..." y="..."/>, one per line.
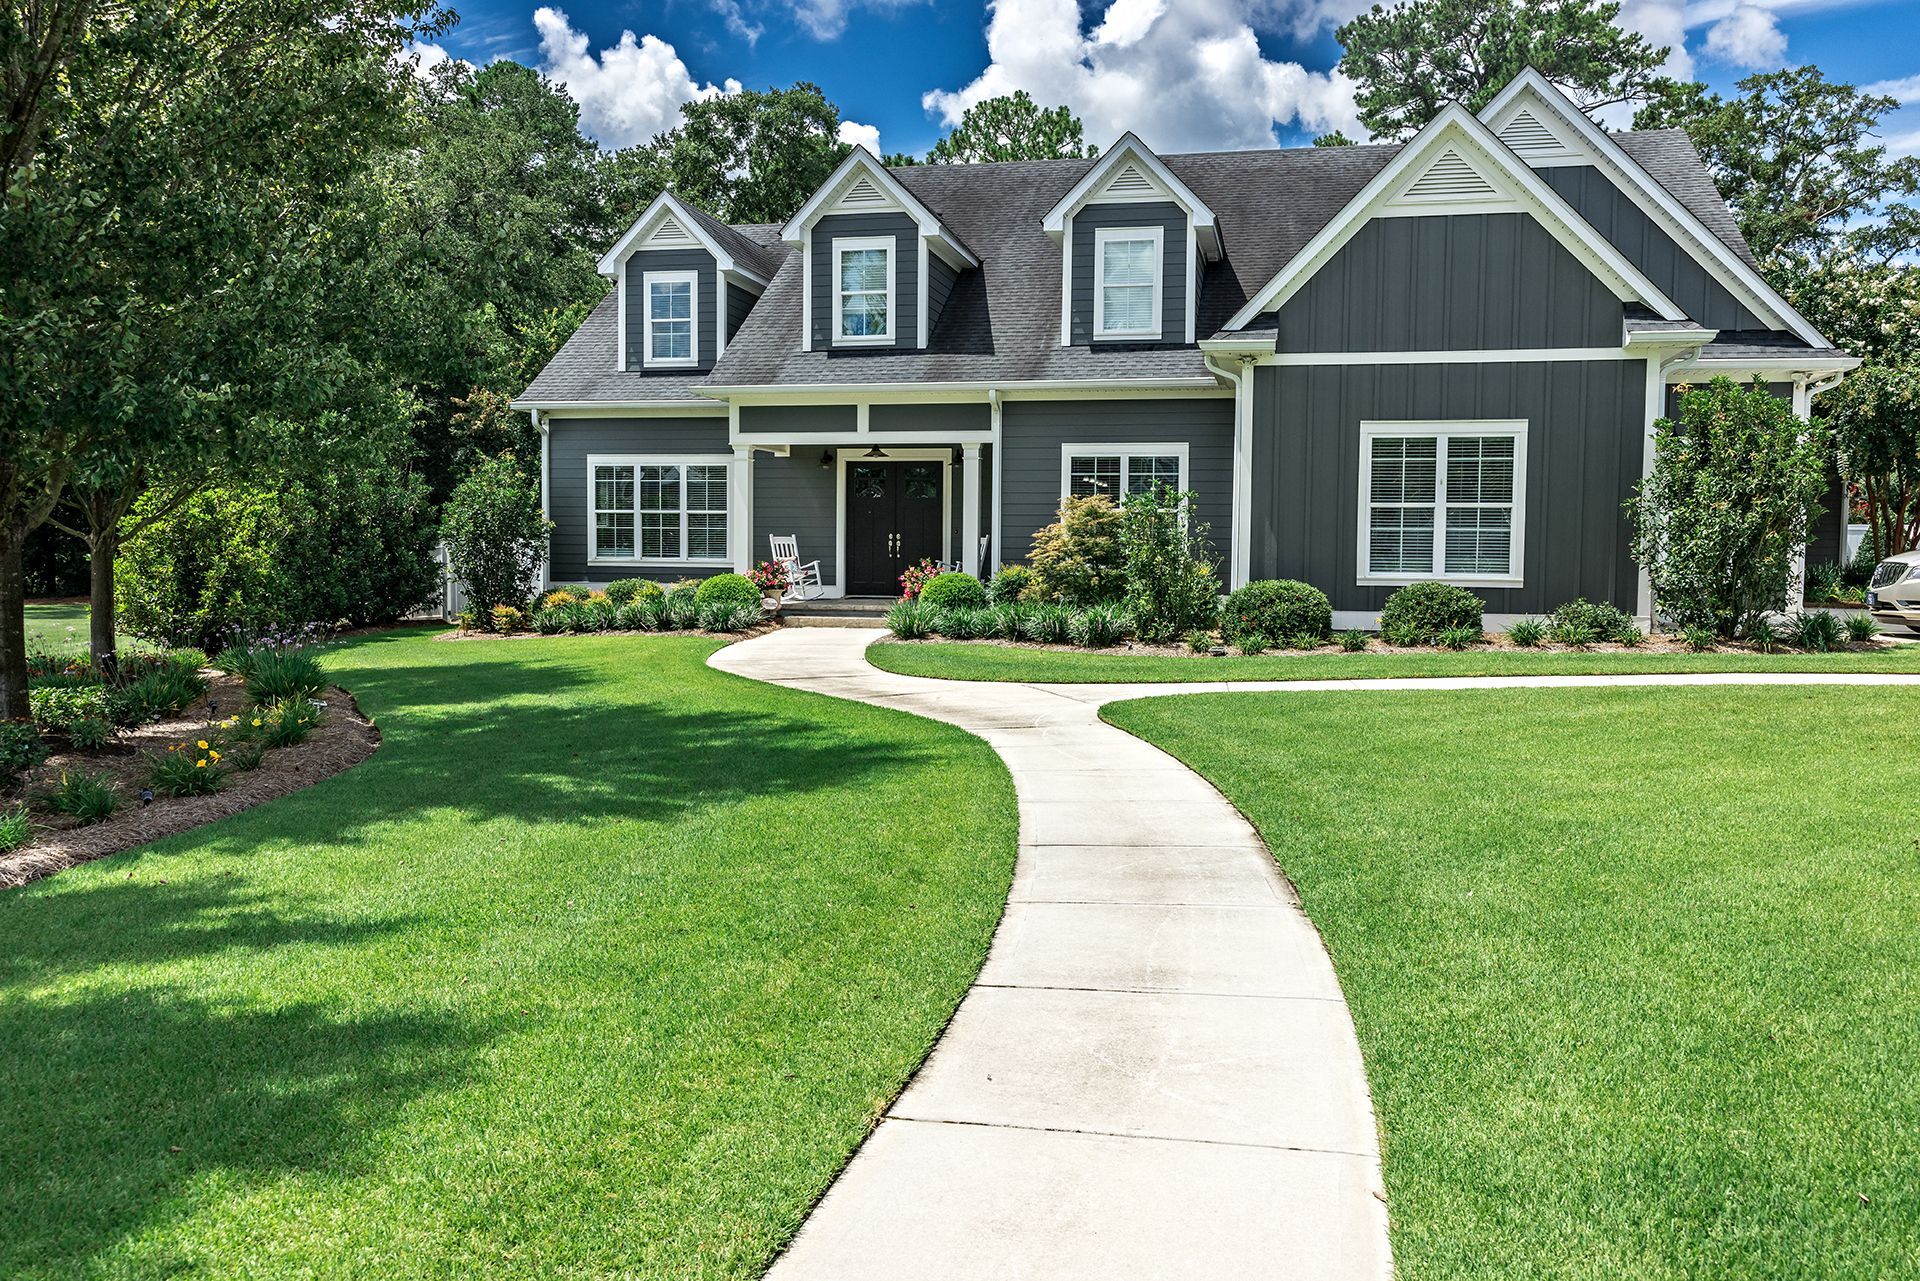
<point x="1373" y="365"/>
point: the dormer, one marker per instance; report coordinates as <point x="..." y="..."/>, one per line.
<point x="877" y="264"/>
<point x="684" y="279"/>
<point x="1132" y="237"/>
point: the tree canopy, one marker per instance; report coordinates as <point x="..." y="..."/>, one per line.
<point x="1012" y="127"/>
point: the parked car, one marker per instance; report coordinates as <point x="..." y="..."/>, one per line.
<point x="1893" y="594"/>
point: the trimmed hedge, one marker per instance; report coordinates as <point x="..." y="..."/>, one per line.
<point x="1418" y="613"/>
<point x="727" y="589"/>
<point x="1276" y="607"/>
<point x="953" y="590"/>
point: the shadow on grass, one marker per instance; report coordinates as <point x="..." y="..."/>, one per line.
<point x="116" y="1101"/>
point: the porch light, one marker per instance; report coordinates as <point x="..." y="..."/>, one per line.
<point x="875" y="452"/>
<point x="826" y="460"/>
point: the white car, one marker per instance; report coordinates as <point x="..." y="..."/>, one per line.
<point x="1893" y="594"/>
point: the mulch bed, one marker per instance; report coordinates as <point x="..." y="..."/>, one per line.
<point x="342" y="740"/>
<point x="748" y="633"/>
<point x="1495" y="641"/>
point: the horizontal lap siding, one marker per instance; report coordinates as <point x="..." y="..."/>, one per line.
<point x="795" y="495"/>
<point x="1585" y="438"/>
<point x="571" y="440"/>
<point x="706" y="302"/>
<point x="739" y="302"/>
<point x="905" y="303"/>
<point x="1032" y="433"/>
<point x="1172" y="220"/>
<point x="940" y="279"/>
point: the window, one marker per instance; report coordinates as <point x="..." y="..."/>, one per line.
<point x="670" y="336"/>
<point x="1119" y="470"/>
<point x="863" y="290"/>
<point x="1442" y="500"/>
<point x="1126" y="287"/>
<point x="654" y="509"/>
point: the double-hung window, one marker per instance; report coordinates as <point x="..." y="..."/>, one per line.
<point x="1120" y="470"/>
<point x="1126" y="284"/>
<point x="863" y="290"/>
<point x="657" y="509"/>
<point x="1444" y="501"/>
<point x="671" y="337"/>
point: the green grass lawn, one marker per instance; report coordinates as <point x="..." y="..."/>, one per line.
<point x="950" y="660"/>
<point x="1636" y="972"/>
<point x="56" y="626"/>
<point x="601" y="967"/>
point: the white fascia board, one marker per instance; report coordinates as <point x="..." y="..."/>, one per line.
<point x="1733" y="366"/>
<point x="909" y="393"/>
<point x="621" y="408"/>
<point x="1655" y="338"/>
<point x="663" y="204"/>
<point x="1263" y="345"/>
<point x="1459" y="128"/>
<point x="1129" y="147"/>
<point x="1658" y="203"/>
<point x="864" y="161"/>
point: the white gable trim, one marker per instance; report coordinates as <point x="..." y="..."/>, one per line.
<point x="1158" y="183"/>
<point x="667" y="207"/>
<point x="1538" y="137"/>
<point x="1456" y="129"/>
<point x="1533" y="91"/>
<point x="860" y="165"/>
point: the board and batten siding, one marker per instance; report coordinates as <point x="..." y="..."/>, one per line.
<point x="706" y="303"/>
<point x="1033" y="431"/>
<point x="570" y="441"/>
<point x="1586" y="426"/>
<point x="1678" y="274"/>
<point x="796" y="495"/>
<point x="1460" y="282"/>
<point x="905" y="303"/>
<point x="1172" y="220"/>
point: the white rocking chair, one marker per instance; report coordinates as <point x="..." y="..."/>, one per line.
<point x="803" y="580"/>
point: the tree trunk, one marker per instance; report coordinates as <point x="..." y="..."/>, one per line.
<point x="101" y="550"/>
<point x="13" y="624"/>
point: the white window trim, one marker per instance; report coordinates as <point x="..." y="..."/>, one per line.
<point x="842" y="244"/>
<point x="637" y="461"/>
<point x="1127" y="454"/>
<point x="647" y="281"/>
<point x="1101" y="236"/>
<point x="1443" y="430"/>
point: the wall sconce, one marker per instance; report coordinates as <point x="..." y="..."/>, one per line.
<point x="826" y="460"/>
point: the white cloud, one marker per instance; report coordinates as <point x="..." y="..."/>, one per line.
<point x="1748" y="37"/>
<point x="1906" y="89"/>
<point x="425" y="59"/>
<point x="827" y="19"/>
<point x="629" y="93"/>
<point x="859" y="135"/>
<point x="1184" y="76"/>
<point x="736" y="20"/>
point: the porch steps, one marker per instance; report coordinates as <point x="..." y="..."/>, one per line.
<point x="858" y="611"/>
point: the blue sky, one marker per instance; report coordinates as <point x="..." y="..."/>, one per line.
<point x="1186" y="74"/>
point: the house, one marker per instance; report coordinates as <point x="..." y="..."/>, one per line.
<point x="1373" y="365"/>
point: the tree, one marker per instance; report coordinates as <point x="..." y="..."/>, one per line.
<point x="751" y="156"/>
<point x="1875" y="417"/>
<point x="1012" y="127"/>
<point x="1719" y="524"/>
<point x="495" y="535"/>
<point x="1172" y="583"/>
<point x="1078" y="558"/>
<point x="1334" y="139"/>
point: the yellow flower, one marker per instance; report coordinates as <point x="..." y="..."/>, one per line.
<point x="200" y="764"/>
<point x="256" y="722"/>
<point x="202" y="744"/>
<point x="215" y="755"/>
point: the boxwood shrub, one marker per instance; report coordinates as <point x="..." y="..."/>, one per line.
<point x="625" y="591"/>
<point x="1271" y="607"/>
<point x="726" y="589"/>
<point x="1586" y="621"/>
<point x="1419" y="612"/>
<point x="954" y="590"/>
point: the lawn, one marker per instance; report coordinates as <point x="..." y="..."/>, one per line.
<point x="601" y="967"/>
<point x="57" y="627"/>
<point x="1635" y="971"/>
<point x="949" y="660"/>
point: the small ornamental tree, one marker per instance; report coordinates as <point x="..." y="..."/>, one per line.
<point x="1875" y="416"/>
<point x="1718" y="526"/>
<point x="495" y="534"/>
<point x="1078" y="558"/>
<point x="1172" y="585"/>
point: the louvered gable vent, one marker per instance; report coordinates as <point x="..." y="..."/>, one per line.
<point x="1130" y="182"/>
<point x="1451" y="178"/>
<point x="669" y="234"/>
<point x="863" y="194"/>
<point x="1527" y="136"/>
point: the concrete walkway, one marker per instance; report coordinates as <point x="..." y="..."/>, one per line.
<point x="1155" y="1074"/>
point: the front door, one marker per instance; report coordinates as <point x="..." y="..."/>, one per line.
<point x="893" y="520"/>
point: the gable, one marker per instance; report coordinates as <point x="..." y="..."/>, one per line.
<point x="669" y="234"/>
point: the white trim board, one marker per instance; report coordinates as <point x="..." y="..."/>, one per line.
<point x="637" y="461"/>
<point x="861" y="162"/>
<point x="1102" y="236"/>
<point x="691" y="279"/>
<point x="858" y="244"/>
<point x="665" y="205"/>
<point x="1128" y="148"/>
<point x="1069" y="450"/>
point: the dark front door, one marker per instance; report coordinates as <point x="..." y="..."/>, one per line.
<point x="893" y="521"/>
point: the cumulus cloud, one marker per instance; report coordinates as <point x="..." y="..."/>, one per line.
<point x="425" y="58"/>
<point x="628" y="93"/>
<point x="1664" y="24"/>
<point x="1748" y="37"/>
<point x="859" y="135"/>
<point x="1184" y="74"/>
<point x="736" y="20"/>
<point x="1906" y="89"/>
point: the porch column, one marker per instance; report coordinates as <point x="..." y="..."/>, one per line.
<point x="970" y="508"/>
<point x="740" y="509"/>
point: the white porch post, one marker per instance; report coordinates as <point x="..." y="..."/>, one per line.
<point x="546" y="502"/>
<point x="1797" y="584"/>
<point x="1656" y="409"/>
<point x="970" y="508"/>
<point x="740" y="509"/>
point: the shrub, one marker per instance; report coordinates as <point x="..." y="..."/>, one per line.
<point x="1458" y="637"/>
<point x="1861" y="628"/>
<point x="87" y="797"/>
<point x="625" y="591"/>
<point x="1764" y="634"/>
<point x="1009" y="583"/>
<point x="185" y="769"/>
<point x="58" y="706"/>
<point x="1276" y="607"/>
<point x="1574" y="634"/>
<point x="285" y="673"/>
<point x="550" y="620"/>
<point x="1199" y="642"/>
<point x="1048" y="623"/>
<point x="1252" y="643"/>
<point x="1001" y="621"/>
<point x="21" y="748"/>
<point x="163" y="691"/>
<point x="288" y="721"/>
<point x="641" y="615"/>
<point x="1699" y="637"/>
<point x="1630" y="636"/>
<point x="1302" y="640"/>
<point x="1826" y="582"/>
<point x="1078" y="559"/>
<point x="1719" y="522"/>
<point x="1170" y="580"/>
<point x="90" y="734"/>
<point x="1422" y="611"/>
<point x="1527" y="633"/>
<point x="601" y="614"/>
<point x="191" y="657"/>
<point x="1352" y="641"/>
<point x="1600" y="621"/>
<point x="15" y="827"/>
<point x="958" y="621"/>
<point x="727" y="589"/>
<point x="1817" y="630"/>
<point x="953" y="590"/>
<point x="1098" y="626"/>
<point x="507" y="619"/>
<point x="495" y="533"/>
<point x="729" y="615"/>
<point x="910" y="620"/>
<point x="679" y="607"/>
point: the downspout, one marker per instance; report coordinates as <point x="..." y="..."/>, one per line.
<point x="1241" y="380"/>
<point x="995" y="555"/>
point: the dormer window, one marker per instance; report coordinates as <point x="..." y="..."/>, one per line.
<point x="1126" y="299"/>
<point x="671" y="339"/>
<point x="863" y="292"/>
